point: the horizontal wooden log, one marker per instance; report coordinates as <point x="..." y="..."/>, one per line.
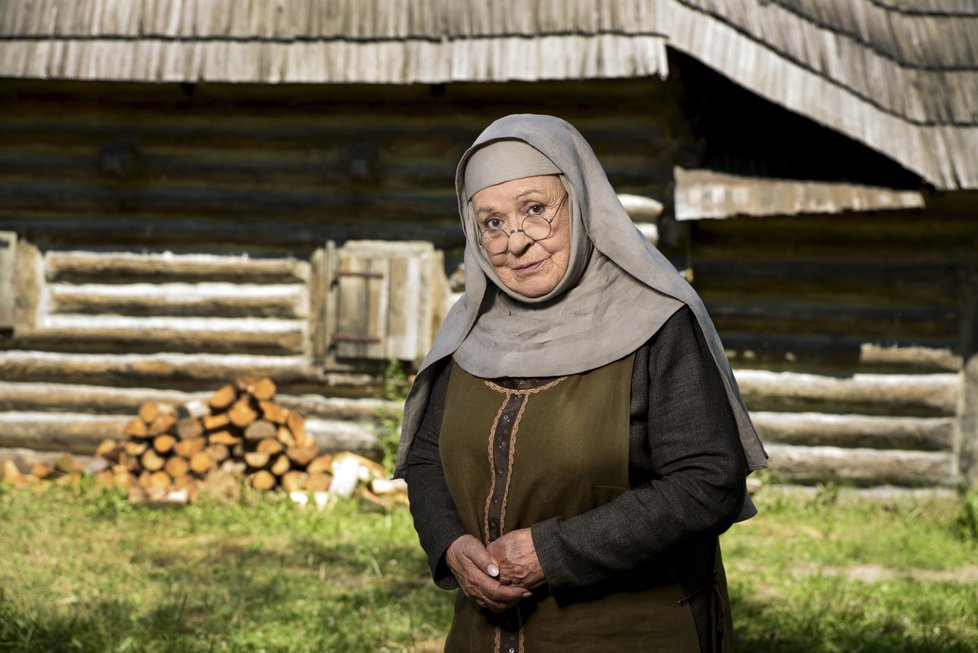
<point x="72" y="432"/>
<point x="181" y="371"/>
<point x="66" y="397"/>
<point x="279" y="301"/>
<point x="93" y="267"/>
<point x="897" y="322"/>
<point x="133" y="334"/>
<point x="861" y="467"/>
<point x="26" y="458"/>
<point x="838" y="353"/>
<point x="153" y="230"/>
<point x="819" y="429"/>
<point x="333" y="436"/>
<point x="923" y="395"/>
<point x="855" y="281"/>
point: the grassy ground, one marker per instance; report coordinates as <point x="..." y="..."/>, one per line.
<point x="85" y="571"/>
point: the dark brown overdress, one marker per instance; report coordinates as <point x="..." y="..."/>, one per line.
<point x="513" y="456"/>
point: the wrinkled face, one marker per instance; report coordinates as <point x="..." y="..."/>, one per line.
<point x="531" y="268"/>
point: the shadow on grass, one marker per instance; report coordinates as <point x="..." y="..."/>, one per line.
<point x="786" y="627"/>
<point x="238" y="597"/>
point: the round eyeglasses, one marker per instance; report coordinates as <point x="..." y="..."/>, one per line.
<point x="495" y="240"/>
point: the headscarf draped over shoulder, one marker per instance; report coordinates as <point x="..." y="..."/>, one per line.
<point x="624" y="290"/>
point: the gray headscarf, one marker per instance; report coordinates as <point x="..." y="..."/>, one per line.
<point x="618" y="296"/>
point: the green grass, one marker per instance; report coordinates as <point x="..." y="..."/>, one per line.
<point x="82" y="570"/>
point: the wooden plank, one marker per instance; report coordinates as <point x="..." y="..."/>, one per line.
<point x="317" y="320"/>
<point x="8" y="280"/>
<point x="362" y="300"/>
<point x="406" y="291"/>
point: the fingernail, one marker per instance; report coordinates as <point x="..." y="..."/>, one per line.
<point x="493" y="570"/>
<point x="527" y="595"/>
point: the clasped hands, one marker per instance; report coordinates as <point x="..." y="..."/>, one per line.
<point x="497" y="576"/>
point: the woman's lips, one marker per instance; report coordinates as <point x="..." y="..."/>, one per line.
<point x="528" y="268"/>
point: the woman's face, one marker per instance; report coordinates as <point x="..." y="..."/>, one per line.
<point x="527" y="267"/>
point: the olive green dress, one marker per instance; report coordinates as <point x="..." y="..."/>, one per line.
<point x="513" y="456"/>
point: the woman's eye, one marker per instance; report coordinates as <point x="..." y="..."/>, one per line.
<point x="535" y="209"/>
<point x="493" y="223"/>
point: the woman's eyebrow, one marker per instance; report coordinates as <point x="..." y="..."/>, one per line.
<point x="516" y="198"/>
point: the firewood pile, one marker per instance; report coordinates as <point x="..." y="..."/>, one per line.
<point x="169" y="451"/>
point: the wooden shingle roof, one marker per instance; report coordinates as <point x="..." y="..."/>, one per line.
<point x="900" y="76"/>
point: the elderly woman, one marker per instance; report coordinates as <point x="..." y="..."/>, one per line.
<point x="575" y="441"/>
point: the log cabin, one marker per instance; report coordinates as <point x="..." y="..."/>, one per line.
<point x="190" y="191"/>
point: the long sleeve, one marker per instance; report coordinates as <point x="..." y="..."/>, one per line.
<point x="691" y="456"/>
<point x="435" y="517"/>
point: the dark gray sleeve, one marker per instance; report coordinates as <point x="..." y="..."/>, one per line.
<point x="435" y="518"/>
<point x="697" y="468"/>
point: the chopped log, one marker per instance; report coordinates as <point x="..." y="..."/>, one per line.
<point x="320" y="464"/>
<point x="285" y="436"/>
<point x="136" y="429"/>
<point x="318" y="482"/>
<point x="236" y="468"/>
<point x="66" y="464"/>
<point x="40" y="471"/>
<point x="108" y="449"/>
<point x="177" y="467"/>
<point x="302" y="456"/>
<point x="143" y="479"/>
<point x="135" y="449"/>
<point x="256" y="460"/>
<point x="270" y="446"/>
<point x="260" y="430"/>
<point x="188" y="448"/>
<point x="297" y="427"/>
<point x="196" y="409"/>
<point x="188" y="484"/>
<point x="218" y="452"/>
<point x="388" y="486"/>
<point x="223" y="398"/>
<point x="161" y="424"/>
<point x="238" y="451"/>
<point x="121" y="479"/>
<point x="281" y="465"/>
<point x="189" y="427"/>
<point x="262" y="480"/>
<point x="11" y="474"/>
<point x="241" y="414"/>
<point x="273" y="412"/>
<point x="294" y="481"/>
<point x="128" y="461"/>
<point x="105" y="479"/>
<point x="152" y="461"/>
<point x="201" y="462"/>
<point x="215" y="422"/>
<point x="149" y="411"/>
<point x="264" y="389"/>
<point x="164" y="443"/>
<point x="136" y="493"/>
<point x="160" y="480"/>
<point x="226" y="438"/>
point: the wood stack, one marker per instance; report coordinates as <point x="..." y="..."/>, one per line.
<point x="240" y="429"/>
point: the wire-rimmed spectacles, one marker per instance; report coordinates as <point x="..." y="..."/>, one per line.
<point x="495" y="240"/>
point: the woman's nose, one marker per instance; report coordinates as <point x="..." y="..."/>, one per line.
<point x="518" y="241"/>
